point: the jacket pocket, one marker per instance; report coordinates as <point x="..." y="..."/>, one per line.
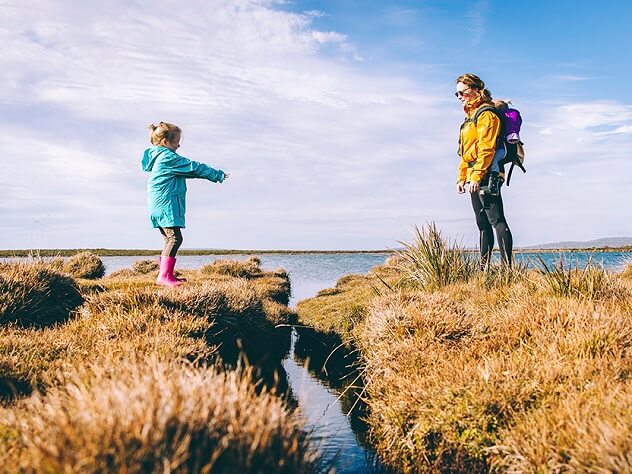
<point x="177" y="205"/>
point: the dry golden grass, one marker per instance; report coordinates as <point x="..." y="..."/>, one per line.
<point x="236" y="268"/>
<point x="342" y="309"/>
<point x="33" y="294"/>
<point x="130" y="314"/>
<point x="84" y="265"/>
<point x="451" y="374"/>
<point x="143" y="267"/>
<point x="101" y="332"/>
<point x="122" y="386"/>
<point x="150" y="415"/>
<point x="502" y="372"/>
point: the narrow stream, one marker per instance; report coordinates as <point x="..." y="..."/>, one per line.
<point x="327" y="421"/>
<point x="340" y="433"/>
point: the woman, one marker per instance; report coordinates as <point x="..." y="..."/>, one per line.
<point x="477" y="147"/>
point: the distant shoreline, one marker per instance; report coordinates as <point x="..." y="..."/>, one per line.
<point x="145" y="252"/>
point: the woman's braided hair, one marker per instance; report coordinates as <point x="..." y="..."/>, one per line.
<point x="476" y="83"/>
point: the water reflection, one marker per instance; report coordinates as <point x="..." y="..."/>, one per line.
<point x="332" y="412"/>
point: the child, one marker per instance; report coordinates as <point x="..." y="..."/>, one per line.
<point x="512" y="122"/>
<point x="166" y="190"/>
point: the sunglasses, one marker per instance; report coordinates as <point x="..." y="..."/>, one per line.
<point x="458" y="94"/>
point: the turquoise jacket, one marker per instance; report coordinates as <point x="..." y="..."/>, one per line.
<point x="167" y="188"/>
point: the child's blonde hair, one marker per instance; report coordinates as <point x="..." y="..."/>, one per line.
<point x="164" y="134"/>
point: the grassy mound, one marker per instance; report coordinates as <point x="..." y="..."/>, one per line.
<point x="84" y="265"/>
<point x="145" y="416"/>
<point x="207" y="319"/>
<point x="235" y="268"/>
<point x="35" y="295"/>
<point x="124" y="386"/>
<point x="144" y="267"/>
<point x="508" y="370"/>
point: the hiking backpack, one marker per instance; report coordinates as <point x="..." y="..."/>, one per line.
<point x="514" y="151"/>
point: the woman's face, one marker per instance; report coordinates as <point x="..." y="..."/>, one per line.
<point x="464" y="93"/>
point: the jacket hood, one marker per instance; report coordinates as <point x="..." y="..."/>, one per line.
<point x="149" y="158"/>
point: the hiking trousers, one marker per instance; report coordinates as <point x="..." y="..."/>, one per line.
<point x="173" y="240"/>
<point x="489" y="220"/>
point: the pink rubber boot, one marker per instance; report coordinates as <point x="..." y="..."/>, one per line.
<point x="165" y="274"/>
<point x="175" y="277"/>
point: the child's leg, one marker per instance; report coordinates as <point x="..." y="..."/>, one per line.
<point x="173" y="240"/>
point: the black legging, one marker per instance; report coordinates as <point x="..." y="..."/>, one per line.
<point x="488" y="218"/>
<point x="173" y="240"/>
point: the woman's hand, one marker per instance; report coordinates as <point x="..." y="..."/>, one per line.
<point x="474" y="187"/>
<point x="460" y="187"/>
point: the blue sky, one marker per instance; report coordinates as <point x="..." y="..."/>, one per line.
<point x="336" y="118"/>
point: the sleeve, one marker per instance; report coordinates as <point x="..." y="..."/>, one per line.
<point x="462" y="177"/>
<point x="487" y="129"/>
<point x="180" y="166"/>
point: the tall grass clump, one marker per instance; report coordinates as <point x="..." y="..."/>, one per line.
<point x="592" y="281"/>
<point x="85" y="265"/>
<point x="154" y="416"/>
<point x="627" y="271"/>
<point x="32" y="294"/>
<point x="144" y="267"/>
<point x="501" y="275"/>
<point x="235" y="268"/>
<point x="432" y="261"/>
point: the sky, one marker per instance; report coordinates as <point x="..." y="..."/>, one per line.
<point x="336" y="119"/>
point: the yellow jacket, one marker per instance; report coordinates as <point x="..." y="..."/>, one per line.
<point x="477" y="143"/>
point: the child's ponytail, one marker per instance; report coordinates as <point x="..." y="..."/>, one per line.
<point x="163" y="134"/>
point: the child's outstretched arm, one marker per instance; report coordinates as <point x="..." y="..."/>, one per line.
<point x="181" y="166"/>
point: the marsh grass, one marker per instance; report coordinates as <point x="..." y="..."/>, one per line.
<point x="33" y="294"/>
<point x="501" y="275"/>
<point x="452" y="382"/>
<point x="145" y="267"/>
<point x="151" y="415"/>
<point x="249" y="268"/>
<point x="504" y="370"/>
<point x="627" y="271"/>
<point x="432" y="262"/>
<point x="84" y="265"/>
<point x="140" y="380"/>
<point x="592" y="281"/>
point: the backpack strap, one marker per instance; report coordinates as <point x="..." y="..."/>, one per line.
<point x="501" y="134"/>
<point x="490" y="108"/>
<point x="514" y="163"/>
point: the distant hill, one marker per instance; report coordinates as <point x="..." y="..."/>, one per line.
<point x="613" y="242"/>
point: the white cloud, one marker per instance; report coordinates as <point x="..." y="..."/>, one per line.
<point x="325" y="153"/>
<point x="328" y="37"/>
<point x="301" y="133"/>
<point x="571" y="78"/>
<point x="476" y="20"/>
